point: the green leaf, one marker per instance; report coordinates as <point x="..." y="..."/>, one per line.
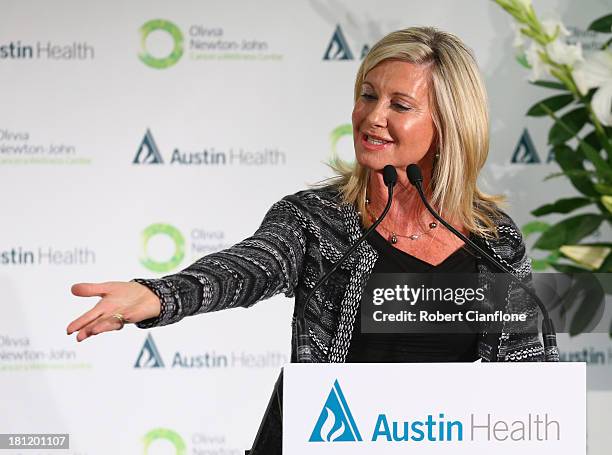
<point x="593" y="140"/>
<point x="571" y="162"/>
<point x="549" y="84"/>
<point x="533" y="227"/>
<point x="568" y="126"/>
<point x="569" y="231"/>
<point x="566" y="268"/>
<point x="602" y="188"/>
<point x="539" y="265"/>
<point x="562" y="206"/>
<point x="574" y="173"/>
<point x="554" y="103"/>
<point x="522" y="60"/>
<point x="606" y="201"/>
<point x="591" y="298"/>
<point x="603" y="24"/>
<point x="606" y="266"/>
<point x="603" y="169"/>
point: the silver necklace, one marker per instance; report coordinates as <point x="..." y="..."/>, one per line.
<point x="393" y="237"/>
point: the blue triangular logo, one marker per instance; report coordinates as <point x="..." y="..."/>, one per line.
<point x="148" y="153"/>
<point x="336" y="421"/>
<point x="364" y="51"/>
<point x="525" y="152"/>
<point x="149" y="355"/>
<point x="338" y="48"/>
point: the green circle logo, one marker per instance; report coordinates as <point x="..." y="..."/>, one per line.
<point x="177" y="37"/>
<point x="338" y="133"/>
<point x="168" y="435"/>
<point x="179" y="247"/>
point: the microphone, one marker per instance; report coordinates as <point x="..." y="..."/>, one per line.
<point x="303" y="342"/>
<point x="549" y="336"/>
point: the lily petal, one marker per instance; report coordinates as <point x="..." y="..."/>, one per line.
<point x="594" y="71"/>
<point x="590" y="256"/>
<point x="602" y="103"/>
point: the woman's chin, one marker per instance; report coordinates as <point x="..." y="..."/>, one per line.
<point x="372" y="160"/>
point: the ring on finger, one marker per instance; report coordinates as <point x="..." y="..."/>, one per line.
<point x="120" y="318"/>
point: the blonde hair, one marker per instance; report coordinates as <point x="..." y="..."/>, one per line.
<point x="459" y="113"/>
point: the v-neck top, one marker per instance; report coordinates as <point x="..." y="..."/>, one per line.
<point x="413" y="347"/>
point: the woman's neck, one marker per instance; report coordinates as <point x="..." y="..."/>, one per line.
<point x="407" y="210"/>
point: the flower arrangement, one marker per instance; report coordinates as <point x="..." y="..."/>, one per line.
<point x="580" y="137"/>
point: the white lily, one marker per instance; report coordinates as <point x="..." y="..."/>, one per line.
<point x="587" y="255"/>
<point x="538" y="67"/>
<point x="519" y="40"/>
<point x="607" y="202"/>
<point x="552" y="27"/>
<point x="596" y="72"/>
<point x="602" y="104"/>
<point x="564" y="54"/>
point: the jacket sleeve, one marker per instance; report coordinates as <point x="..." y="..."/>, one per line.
<point x="520" y="341"/>
<point x="265" y="264"/>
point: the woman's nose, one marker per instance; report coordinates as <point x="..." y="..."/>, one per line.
<point x="377" y="116"/>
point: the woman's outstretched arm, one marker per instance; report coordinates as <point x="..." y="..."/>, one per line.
<point x="265" y="264"/>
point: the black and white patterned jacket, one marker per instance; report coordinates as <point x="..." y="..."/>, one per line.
<point x="300" y="238"/>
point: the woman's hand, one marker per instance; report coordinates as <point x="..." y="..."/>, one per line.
<point x="131" y="300"/>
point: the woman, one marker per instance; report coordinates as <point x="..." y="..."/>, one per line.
<point x="419" y="98"/>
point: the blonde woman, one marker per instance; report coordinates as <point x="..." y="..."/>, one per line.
<point x="419" y="98"/>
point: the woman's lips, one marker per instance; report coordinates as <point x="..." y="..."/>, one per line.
<point x="374" y="144"/>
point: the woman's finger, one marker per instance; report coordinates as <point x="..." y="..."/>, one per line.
<point x="83" y="320"/>
<point x="100" y="325"/>
<point x="89" y="289"/>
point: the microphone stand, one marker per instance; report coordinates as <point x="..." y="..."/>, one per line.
<point x="274" y="410"/>
<point x="303" y="341"/>
<point x="549" y="336"/>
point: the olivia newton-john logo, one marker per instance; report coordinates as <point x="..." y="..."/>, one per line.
<point x="198" y="42"/>
<point x="164" y="246"/>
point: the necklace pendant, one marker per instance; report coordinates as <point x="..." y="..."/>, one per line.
<point x="393" y="238"/>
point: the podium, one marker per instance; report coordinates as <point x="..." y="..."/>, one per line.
<point x="435" y="408"/>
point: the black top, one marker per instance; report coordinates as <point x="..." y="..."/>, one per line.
<point x="413" y="347"/>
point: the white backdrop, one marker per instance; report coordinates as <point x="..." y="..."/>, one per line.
<point x="77" y="102"/>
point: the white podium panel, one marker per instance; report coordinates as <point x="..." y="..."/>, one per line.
<point x="458" y="408"/>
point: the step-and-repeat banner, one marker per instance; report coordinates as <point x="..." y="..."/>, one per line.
<point x="136" y="137"/>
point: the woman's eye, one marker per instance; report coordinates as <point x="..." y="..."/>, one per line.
<point x="401" y="107"/>
<point x="367" y="96"/>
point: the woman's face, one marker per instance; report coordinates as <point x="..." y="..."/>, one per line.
<point x="392" y="121"/>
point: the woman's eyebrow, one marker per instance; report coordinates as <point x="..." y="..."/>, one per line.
<point x="394" y="93"/>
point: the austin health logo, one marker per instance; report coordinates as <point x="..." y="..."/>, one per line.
<point x="148" y="152"/>
<point x="525" y="151"/>
<point x="338" y="48"/>
<point x="149" y="356"/>
<point x="336" y="421"/>
<point x="177" y="38"/>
